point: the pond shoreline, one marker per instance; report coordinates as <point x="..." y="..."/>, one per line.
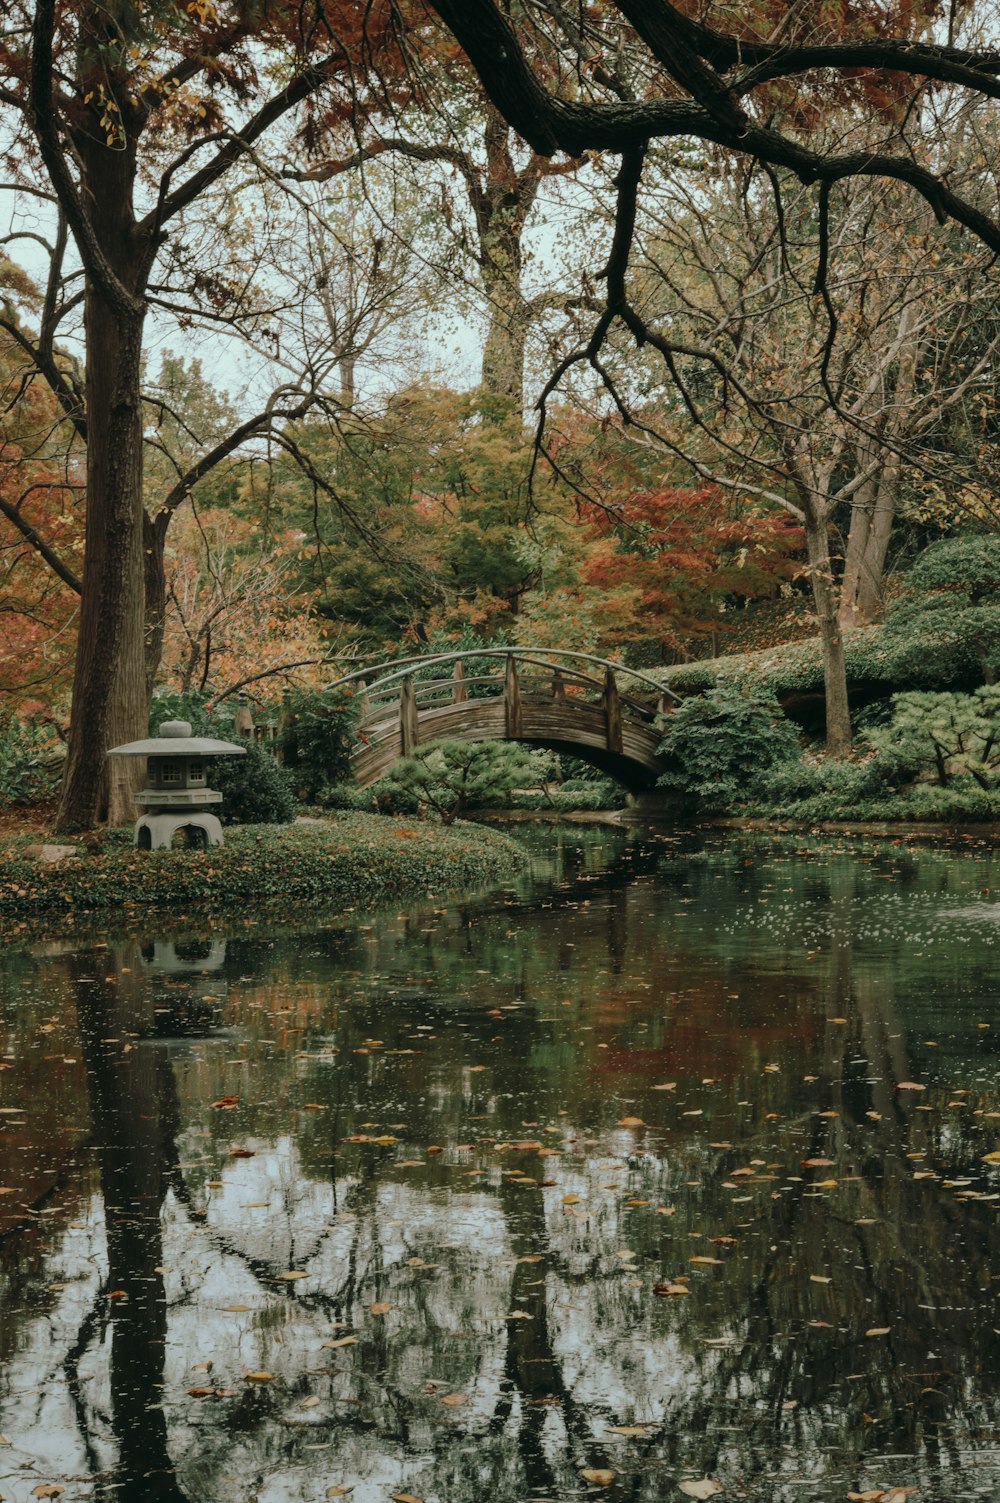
<point x="931" y="830"/>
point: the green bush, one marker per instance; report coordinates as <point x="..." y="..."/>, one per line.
<point x="255" y="790"/>
<point x="451" y="776"/>
<point x="318" y="737"/>
<point x="721" y="743"/>
<point x="29" y="764"/>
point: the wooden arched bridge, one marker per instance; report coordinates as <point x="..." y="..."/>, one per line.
<point x="565" y="701"/>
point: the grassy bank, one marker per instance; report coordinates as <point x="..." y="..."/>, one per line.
<point x="353" y="860"/>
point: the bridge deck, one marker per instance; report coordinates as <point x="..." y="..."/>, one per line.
<point x="566" y="725"/>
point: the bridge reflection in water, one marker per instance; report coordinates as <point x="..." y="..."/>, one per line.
<point x="564" y="701"/>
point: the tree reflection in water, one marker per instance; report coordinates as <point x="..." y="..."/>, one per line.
<point x="200" y="1223"/>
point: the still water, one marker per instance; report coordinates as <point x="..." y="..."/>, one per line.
<point x="671" y="1164"/>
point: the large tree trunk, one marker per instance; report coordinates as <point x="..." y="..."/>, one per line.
<point x="838" y="714"/>
<point x="154" y="593"/>
<point x="110" y="703"/>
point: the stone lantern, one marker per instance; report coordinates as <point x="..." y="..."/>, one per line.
<point x="177" y="795"/>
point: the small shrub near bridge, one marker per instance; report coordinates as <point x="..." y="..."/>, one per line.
<point x="450" y="777"/>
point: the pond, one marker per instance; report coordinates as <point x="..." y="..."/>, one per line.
<point x="675" y="1165"/>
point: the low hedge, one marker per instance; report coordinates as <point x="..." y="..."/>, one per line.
<point x="352" y="860"/>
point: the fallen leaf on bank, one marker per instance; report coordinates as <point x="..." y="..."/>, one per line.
<point x="599" y="1475"/>
<point x="703" y="1489"/>
<point x="344" y="1341"/>
<point x="381" y="1308"/>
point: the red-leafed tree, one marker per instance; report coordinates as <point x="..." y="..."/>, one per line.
<point x="121" y="118"/>
<point x="683" y="554"/>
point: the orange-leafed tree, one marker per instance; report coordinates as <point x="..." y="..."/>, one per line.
<point x="40" y="483"/>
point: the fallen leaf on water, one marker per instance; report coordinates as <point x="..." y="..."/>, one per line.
<point x="825" y="1184"/>
<point x="434" y="1148"/>
<point x="992" y="1158"/>
<point x="200" y="1393"/>
<point x="571" y="1200"/>
<point x="909" y="1085"/>
<point x="293" y="1273"/>
<point x="259" y="1377"/>
<point x="406" y="1498"/>
<point x="241" y="1153"/>
<point x="701" y="1259"/>
<point x="234" y="1309"/>
<point x="455" y="1398"/>
<point x="627" y="1429"/>
<point x="600" y="1475"/>
<point x="630" y="1122"/>
<point x="671" y="1289"/>
<point x="819" y="1278"/>
<point x="382" y="1308"/>
<point x="47" y="1490"/>
<point x="225" y="1102"/>
<point x="878" y="1331"/>
<point x="310" y="1402"/>
<point x="344" y="1341"/>
<point x="518" y="1315"/>
<point x="668" y="1085"/>
<point x="816" y="1163"/>
<point x="339" y="1491"/>
<point x="873" y="1495"/>
<point x="703" y="1489"/>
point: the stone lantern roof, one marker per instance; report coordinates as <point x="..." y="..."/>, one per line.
<point x="175" y="740"/>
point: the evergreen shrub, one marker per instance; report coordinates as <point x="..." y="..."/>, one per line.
<point x="722" y="743"/>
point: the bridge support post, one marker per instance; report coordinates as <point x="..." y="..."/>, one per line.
<point x="558" y="685"/>
<point x="612" y="712"/>
<point x="459" y="692"/>
<point x="513" y="723"/>
<point x="407" y="717"/>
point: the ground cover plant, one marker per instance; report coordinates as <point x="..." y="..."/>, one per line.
<point x="354" y="860"/>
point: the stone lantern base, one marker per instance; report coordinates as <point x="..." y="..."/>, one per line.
<point x="155" y="832"/>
